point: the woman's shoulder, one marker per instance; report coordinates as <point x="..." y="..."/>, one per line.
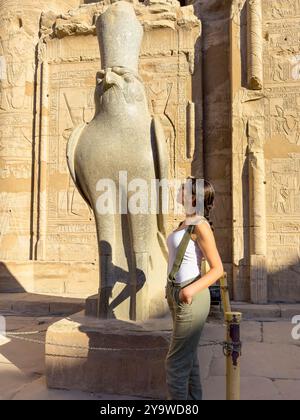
<point x="200" y="226"/>
<point x="202" y="220"/>
<point x="198" y="220"/>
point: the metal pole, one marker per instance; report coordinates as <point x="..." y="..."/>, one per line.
<point x="232" y="351"/>
<point x="232" y="346"/>
<point x="225" y="293"/>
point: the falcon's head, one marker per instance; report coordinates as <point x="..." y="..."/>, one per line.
<point x="119" y="85"/>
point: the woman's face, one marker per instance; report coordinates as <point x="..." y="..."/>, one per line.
<point x="185" y="196"/>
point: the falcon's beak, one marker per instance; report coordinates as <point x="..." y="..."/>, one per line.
<point x="111" y="79"/>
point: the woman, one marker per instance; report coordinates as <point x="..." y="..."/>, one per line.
<point x="188" y="295"/>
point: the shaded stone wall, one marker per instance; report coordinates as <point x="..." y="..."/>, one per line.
<point x="215" y="48"/>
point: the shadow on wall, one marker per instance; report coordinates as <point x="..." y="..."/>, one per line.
<point x="284" y="284"/>
<point x="212" y="71"/>
<point x="244" y="263"/>
<point x="197" y="98"/>
<point x="110" y="275"/>
<point x="8" y="282"/>
<point x="244" y="43"/>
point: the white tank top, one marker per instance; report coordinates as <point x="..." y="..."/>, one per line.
<point x="191" y="263"/>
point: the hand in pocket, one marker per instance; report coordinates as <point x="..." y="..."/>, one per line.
<point x="184" y="296"/>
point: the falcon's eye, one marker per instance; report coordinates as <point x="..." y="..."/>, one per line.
<point x="119" y="71"/>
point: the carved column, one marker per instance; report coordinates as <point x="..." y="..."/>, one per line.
<point x="41" y="151"/>
<point x="255" y="45"/>
<point x="240" y="263"/>
<point x="257" y="212"/>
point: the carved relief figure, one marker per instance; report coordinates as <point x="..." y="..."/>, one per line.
<point x="16" y="84"/>
<point x="281" y="193"/>
<point x="288" y="124"/>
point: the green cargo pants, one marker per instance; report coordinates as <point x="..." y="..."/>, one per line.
<point x="182" y="365"/>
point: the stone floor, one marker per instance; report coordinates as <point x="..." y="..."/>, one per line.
<point x="270" y="361"/>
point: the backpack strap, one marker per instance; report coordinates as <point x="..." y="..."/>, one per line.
<point x="180" y="252"/>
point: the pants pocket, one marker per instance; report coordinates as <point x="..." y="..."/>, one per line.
<point x="177" y="298"/>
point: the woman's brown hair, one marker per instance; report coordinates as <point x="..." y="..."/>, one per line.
<point x="209" y="196"/>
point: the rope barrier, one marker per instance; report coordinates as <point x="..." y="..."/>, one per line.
<point x="21" y="336"/>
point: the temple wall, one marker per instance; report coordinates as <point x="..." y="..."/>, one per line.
<point x="229" y="101"/>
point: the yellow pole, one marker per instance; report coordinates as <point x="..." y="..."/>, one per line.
<point x="232" y="351"/>
<point x="232" y="347"/>
<point x="204" y="266"/>
<point x="225" y="293"/>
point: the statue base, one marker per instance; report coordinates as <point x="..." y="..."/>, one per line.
<point x="110" y="356"/>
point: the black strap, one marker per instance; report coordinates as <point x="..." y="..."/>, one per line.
<point x="180" y="252"/>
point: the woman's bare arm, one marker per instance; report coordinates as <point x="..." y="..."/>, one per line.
<point x="206" y="241"/>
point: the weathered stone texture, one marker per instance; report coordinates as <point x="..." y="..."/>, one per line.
<point x="79" y="351"/>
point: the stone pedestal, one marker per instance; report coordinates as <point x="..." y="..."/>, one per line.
<point x="111" y="356"/>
